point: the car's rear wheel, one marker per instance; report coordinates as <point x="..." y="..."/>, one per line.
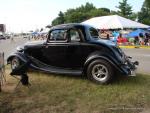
<point x="100" y="71"/>
<point x="15" y="63"/>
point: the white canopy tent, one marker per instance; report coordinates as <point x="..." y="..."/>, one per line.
<point x="113" y="22"/>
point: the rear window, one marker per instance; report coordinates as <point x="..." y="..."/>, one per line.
<point x="74" y="35"/>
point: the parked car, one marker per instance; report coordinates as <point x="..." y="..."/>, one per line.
<point x="7" y="36"/>
<point x="2" y="37"/>
<point x="74" y="49"/>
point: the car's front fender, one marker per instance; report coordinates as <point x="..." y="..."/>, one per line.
<point x="19" y="55"/>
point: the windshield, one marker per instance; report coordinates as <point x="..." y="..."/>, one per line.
<point x="93" y="33"/>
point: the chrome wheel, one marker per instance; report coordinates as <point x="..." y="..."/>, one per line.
<point x="15" y="63"/>
<point x="100" y="72"/>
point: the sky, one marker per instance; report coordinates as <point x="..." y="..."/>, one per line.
<point x="27" y="15"/>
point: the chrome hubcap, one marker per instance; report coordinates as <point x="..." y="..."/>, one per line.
<point x="15" y="63"/>
<point x="100" y="72"/>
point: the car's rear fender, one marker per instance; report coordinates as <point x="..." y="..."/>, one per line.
<point x="98" y="56"/>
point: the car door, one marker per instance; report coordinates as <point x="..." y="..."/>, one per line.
<point x="73" y="53"/>
<point x="55" y="49"/>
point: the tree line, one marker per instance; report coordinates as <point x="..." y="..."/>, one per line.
<point x="88" y="11"/>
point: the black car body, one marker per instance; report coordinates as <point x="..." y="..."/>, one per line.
<point x="73" y="49"/>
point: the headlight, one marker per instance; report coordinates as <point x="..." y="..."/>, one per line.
<point x="20" y="49"/>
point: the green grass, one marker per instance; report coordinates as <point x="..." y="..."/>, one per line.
<point x="69" y="94"/>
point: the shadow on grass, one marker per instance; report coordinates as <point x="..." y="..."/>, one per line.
<point x="140" y="79"/>
<point x="61" y="75"/>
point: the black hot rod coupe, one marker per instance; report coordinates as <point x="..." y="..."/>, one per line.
<point x="73" y="49"/>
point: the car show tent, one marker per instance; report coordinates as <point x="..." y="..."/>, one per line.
<point x="136" y="33"/>
<point x="113" y="22"/>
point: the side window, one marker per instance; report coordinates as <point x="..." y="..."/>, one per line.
<point x="74" y="36"/>
<point x="94" y="32"/>
<point x="57" y="35"/>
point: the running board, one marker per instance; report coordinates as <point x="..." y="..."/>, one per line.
<point x="58" y="70"/>
<point x="38" y="65"/>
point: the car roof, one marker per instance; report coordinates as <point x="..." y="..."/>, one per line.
<point x="68" y="26"/>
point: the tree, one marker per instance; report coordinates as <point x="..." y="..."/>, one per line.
<point x="125" y="9"/>
<point x="147" y="3"/>
<point x="99" y="12"/>
<point x="144" y="14"/>
<point x="134" y="16"/>
<point x="105" y="10"/>
<point x="80" y="14"/>
<point x="59" y="19"/>
<point x="87" y="7"/>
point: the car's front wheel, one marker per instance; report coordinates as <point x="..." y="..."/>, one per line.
<point x="15" y="63"/>
<point x="100" y="71"/>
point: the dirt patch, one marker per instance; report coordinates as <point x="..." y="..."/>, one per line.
<point x="10" y="84"/>
<point x="8" y="87"/>
<point x="145" y="111"/>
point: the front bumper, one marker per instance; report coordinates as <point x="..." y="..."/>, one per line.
<point x="133" y="72"/>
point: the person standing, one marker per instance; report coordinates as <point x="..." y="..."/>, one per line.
<point x="136" y="40"/>
<point x="146" y="40"/>
<point x="12" y="38"/>
<point x="141" y="38"/>
<point x="120" y="39"/>
<point x="108" y="37"/>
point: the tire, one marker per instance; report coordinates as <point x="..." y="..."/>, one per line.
<point x="15" y="63"/>
<point x="100" y="71"/>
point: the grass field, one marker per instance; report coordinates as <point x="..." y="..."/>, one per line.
<point x="70" y="94"/>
